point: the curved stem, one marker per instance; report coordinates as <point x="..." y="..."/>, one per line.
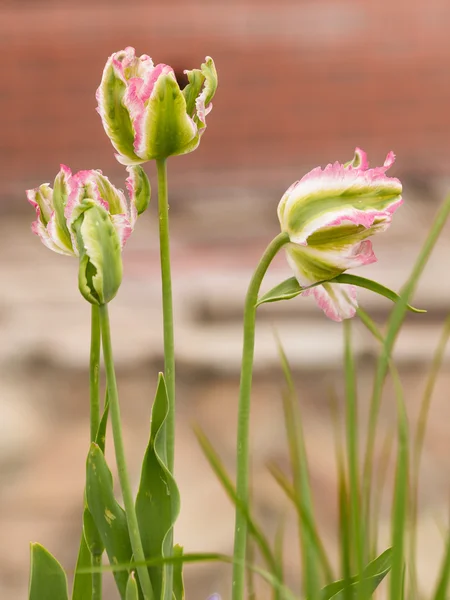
<point x="94" y="397"/>
<point x="242" y="466"/>
<point x="114" y="408"/>
<point x="169" y="352"/>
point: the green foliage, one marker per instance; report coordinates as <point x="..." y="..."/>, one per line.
<point x="290" y="288"/>
<point x="82" y="582"/>
<point x="178" y="585"/>
<point x="109" y="517"/>
<point x="158" y="501"/>
<point x="371" y="578"/>
<point x="132" y="592"/>
<point x="48" y="580"/>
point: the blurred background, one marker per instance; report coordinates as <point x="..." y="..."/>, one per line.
<point x="301" y="83"/>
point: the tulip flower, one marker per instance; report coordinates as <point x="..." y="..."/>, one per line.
<point x="329" y="215"/>
<point x="145" y="113"/>
<point x="85" y="215"/>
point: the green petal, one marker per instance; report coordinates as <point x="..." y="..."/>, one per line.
<point x="168" y="129"/>
<point x="100" y="270"/>
<point x="193" y="89"/>
<point x="115" y="117"/>
<point x="60" y="195"/>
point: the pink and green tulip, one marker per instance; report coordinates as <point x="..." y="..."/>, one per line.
<point x="329" y="215"/>
<point x="145" y="113"/>
<point x="85" y="215"/>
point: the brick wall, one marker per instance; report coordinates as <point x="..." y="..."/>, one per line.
<point x="300" y="81"/>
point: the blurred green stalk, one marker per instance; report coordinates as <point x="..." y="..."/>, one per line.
<point x="242" y="459"/>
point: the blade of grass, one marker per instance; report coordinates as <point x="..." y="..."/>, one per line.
<point x="221" y="473"/>
<point x="418" y="446"/>
<point x="307" y="523"/>
<point x="356" y="525"/>
<point x="195" y="557"/>
<point x="302" y="485"/>
<point x="344" y="533"/>
<point x="278" y="547"/>
<point x="380" y="486"/>
<point x="394" y="323"/>
<point x="400" y="505"/>
<point x="442" y="587"/>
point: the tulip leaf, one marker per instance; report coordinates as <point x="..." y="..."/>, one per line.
<point x="178" y="585"/>
<point x="82" y="582"/>
<point x="48" y="580"/>
<point x="368" y="284"/>
<point x="290" y="288"/>
<point x="158" y="501"/>
<point x="132" y="592"/>
<point x="100" y="438"/>
<point x="373" y="575"/>
<point x="109" y="517"/>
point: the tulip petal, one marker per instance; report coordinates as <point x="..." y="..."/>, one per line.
<point x="337" y="301"/>
<point x="100" y="270"/>
<point x="123" y="228"/>
<point x="139" y="191"/>
<point x="41" y="199"/>
<point x="200" y="91"/>
<point x="60" y="198"/>
<point x="39" y="229"/>
<point x="115" y="117"/>
<point x="165" y="128"/>
<point x="312" y="264"/>
<point x="338" y="195"/>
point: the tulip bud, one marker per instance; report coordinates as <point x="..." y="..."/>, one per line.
<point x="144" y="112"/>
<point x="100" y="269"/>
<point x="329" y="214"/>
<point x="85" y="215"/>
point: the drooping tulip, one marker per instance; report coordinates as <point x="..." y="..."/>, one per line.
<point x="329" y="215"/>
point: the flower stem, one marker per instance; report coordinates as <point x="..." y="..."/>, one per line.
<point x="169" y="352"/>
<point x="94" y="372"/>
<point x="242" y="466"/>
<point x="133" y="527"/>
<point x="94" y="397"/>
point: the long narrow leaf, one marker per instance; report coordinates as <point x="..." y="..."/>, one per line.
<point x="394" y="325"/>
<point x="221" y="473"/>
<point x="290" y="288"/>
<point x="300" y="473"/>
<point x="307" y="523"/>
<point x="356" y="526"/>
<point x="158" y="499"/>
<point x="48" y="580"/>
<point x="372" y="576"/>
<point x="108" y="515"/>
<point x="400" y="507"/>
<point x="442" y="588"/>
<point x="419" y="438"/>
<point x="82" y="582"/>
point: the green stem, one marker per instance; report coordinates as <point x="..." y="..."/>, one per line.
<point x="114" y="408"/>
<point x="94" y="372"/>
<point x="242" y="466"/>
<point x="352" y="440"/>
<point x="169" y="352"/>
<point x="94" y="397"/>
